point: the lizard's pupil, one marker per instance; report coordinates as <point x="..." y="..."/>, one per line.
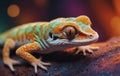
<point x="70" y="32"/>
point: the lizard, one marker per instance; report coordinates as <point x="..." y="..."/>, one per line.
<point x="46" y="37"/>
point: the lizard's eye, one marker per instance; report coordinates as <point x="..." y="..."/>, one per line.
<point x="70" y="32"/>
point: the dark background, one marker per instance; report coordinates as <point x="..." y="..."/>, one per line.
<point x="104" y="14"/>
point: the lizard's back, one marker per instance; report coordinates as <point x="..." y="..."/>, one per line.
<point x="23" y="33"/>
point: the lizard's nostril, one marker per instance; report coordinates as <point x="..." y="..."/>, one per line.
<point x="91" y="36"/>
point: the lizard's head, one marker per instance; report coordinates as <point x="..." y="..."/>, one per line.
<point x="71" y="32"/>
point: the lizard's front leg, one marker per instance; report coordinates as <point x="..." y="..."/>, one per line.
<point x="82" y="49"/>
<point x="24" y="52"/>
<point x="9" y="43"/>
<point x="87" y="48"/>
<point x="90" y="48"/>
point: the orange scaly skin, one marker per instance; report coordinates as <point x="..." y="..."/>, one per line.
<point x="47" y="37"/>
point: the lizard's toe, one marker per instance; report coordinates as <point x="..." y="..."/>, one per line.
<point x="10" y="63"/>
<point x="40" y="64"/>
<point x="86" y="49"/>
<point x="43" y="63"/>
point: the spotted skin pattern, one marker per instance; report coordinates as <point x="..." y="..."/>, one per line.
<point x="47" y="37"/>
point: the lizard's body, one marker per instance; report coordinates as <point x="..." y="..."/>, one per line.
<point x="24" y="33"/>
<point x="58" y="34"/>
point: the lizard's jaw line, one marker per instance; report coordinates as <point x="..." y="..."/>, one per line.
<point x="73" y="43"/>
<point x="85" y="41"/>
<point x="64" y="43"/>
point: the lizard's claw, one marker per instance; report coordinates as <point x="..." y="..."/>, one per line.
<point x="85" y="49"/>
<point x="10" y="62"/>
<point x="40" y="64"/>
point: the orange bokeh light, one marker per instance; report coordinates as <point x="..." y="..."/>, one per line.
<point x="115" y="25"/>
<point x="13" y="10"/>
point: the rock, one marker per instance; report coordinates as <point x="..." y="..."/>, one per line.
<point x="103" y="62"/>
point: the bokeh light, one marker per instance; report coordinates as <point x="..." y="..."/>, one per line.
<point x="41" y="3"/>
<point x="13" y="10"/>
<point x="115" y="25"/>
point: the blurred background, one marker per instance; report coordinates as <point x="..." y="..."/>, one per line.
<point x="104" y="14"/>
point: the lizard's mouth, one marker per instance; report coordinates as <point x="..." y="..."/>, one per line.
<point x="86" y="41"/>
<point x="74" y="42"/>
<point x="65" y="43"/>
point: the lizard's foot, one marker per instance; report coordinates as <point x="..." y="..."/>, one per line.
<point x="85" y="49"/>
<point x="41" y="64"/>
<point x="10" y="62"/>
